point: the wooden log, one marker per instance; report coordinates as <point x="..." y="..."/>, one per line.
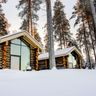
<point x="65" y="61"/>
<point x="46" y="64"/>
<point x="37" y="67"/>
<point x="6" y="55"/>
<point x="33" y="58"/>
<point x="0" y="56"/>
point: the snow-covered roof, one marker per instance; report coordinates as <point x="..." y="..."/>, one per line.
<point x="60" y="52"/>
<point x="26" y="36"/>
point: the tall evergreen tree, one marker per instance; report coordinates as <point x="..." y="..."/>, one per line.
<point x="61" y="25"/>
<point x="36" y="35"/>
<point x="3" y="21"/>
<point x="86" y="29"/>
<point x="89" y="21"/>
<point x="28" y="13"/>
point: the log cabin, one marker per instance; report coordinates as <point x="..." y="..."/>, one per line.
<point x="19" y="51"/>
<point x="65" y="58"/>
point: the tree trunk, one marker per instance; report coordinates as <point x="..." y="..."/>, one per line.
<point x="50" y="35"/>
<point x="30" y="28"/>
<point x="60" y="41"/>
<point x="86" y="46"/>
<point x="92" y="8"/>
<point x="85" y="39"/>
<point x="92" y="40"/>
<point x="64" y="41"/>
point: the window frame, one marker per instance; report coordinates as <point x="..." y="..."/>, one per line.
<point x="26" y="45"/>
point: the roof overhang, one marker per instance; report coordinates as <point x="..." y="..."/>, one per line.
<point x="29" y="38"/>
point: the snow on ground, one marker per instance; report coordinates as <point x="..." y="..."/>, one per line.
<point x="67" y="82"/>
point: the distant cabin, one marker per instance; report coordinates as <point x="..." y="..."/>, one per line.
<point x="19" y="51"/>
<point x="65" y="58"/>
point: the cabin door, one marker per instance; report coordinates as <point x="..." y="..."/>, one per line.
<point x="15" y="62"/>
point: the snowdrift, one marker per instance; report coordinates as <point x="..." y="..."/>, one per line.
<point x="48" y="83"/>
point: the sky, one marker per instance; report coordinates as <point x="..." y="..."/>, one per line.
<point x="12" y="15"/>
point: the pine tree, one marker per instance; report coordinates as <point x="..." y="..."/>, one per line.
<point x="36" y="35"/>
<point x="73" y="42"/>
<point x="90" y="25"/>
<point x="28" y="13"/>
<point x="61" y="25"/>
<point x="86" y="29"/>
<point x="3" y="21"/>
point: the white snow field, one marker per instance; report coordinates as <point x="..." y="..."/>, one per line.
<point x="69" y="82"/>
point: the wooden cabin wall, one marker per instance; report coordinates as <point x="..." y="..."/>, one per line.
<point x="1" y="55"/>
<point x="8" y="60"/>
<point x="6" y="55"/>
<point x="59" y="62"/>
<point x="43" y="64"/>
<point x="62" y="62"/>
<point x="36" y="55"/>
<point x="34" y="58"/>
<point x="65" y="62"/>
<point x="78" y="62"/>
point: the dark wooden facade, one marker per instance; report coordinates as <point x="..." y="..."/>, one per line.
<point x="43" y="64"/>
<point x="1" y="56"/>
<point x="34" y="58"/>
<point x="61" y="62"/>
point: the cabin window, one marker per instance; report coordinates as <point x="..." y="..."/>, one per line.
<point x="71" y="61"/>
<point x="21" y="51"/>
<point x="25" y="57"/>
<point x="15" y="49"/>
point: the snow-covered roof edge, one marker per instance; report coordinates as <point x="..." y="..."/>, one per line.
<point x="59" y="53"/>
<point x="19" y="34"/>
